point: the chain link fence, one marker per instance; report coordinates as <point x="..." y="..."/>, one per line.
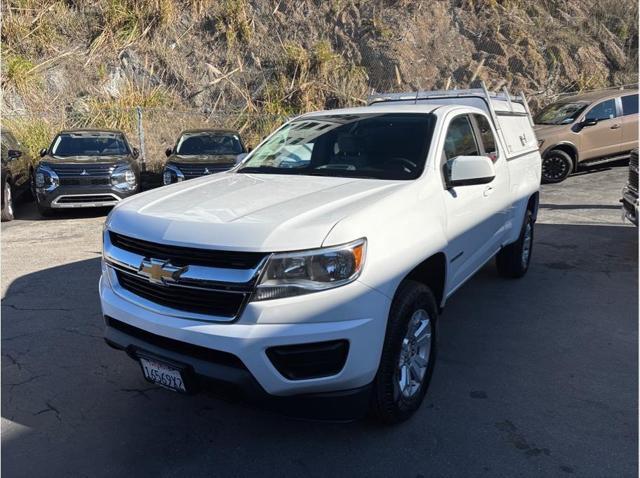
<point x="151" y="130"/>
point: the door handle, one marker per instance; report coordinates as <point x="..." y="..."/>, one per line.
<point x="615" y="126"/>
<point x="488" y="191"/>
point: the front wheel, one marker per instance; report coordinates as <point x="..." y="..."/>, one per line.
<point x="513" y="260"/>
<point x="556" y="166"/>
<point x="7" y="207"/>
<point x="408" y="354"/>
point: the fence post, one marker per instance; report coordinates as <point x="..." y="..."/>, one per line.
<point x="143" y="152"/>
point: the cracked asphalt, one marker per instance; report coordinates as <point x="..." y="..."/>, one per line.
<point x="536" y="377"/>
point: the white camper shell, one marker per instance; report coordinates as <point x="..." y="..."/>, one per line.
<point x="511" y="115"/>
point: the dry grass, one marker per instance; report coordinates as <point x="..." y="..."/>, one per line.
<point x="233" y="19"/>
<point x="34" y="133"/>
<point x="20" y="74"/>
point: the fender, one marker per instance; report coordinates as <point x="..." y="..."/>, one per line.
<point x="566" y="146"/>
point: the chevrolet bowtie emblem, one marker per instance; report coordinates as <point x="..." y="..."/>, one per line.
<point x="159" y="271"/>
<point x="84" y="173"/>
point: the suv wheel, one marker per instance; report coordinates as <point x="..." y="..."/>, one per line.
<point x="513" y="260"/>
<point x="408" y="354"/>
<point x="7" y="207"/>
<point x="556" y="166"/>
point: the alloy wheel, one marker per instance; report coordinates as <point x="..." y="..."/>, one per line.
<point x="526" y="244"/>
<point x="554" y="168"/>
<point x="414" y="354"/>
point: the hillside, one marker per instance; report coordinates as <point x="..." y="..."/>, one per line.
<point x="248" y="63"/>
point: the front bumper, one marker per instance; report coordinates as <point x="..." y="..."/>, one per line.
<point x="354" y="313"/>
<point x="630" y="205"/>
<point x="65" y="196"/>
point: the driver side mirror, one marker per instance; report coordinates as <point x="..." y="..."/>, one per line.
<point x="168" y="152"/>
<point x="590" y="122"/>
<point x="469" y="170"/>
<point x="14" y="154"/>
<point x="43" y="152"/>
<point x="135" y="152"/>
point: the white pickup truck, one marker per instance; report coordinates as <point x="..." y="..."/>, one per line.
<point x="313" y="273"/>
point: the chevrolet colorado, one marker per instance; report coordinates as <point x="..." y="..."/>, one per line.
<point x="313" y="273"/>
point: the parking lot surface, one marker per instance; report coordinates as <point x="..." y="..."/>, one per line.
<point x="536" y="377"/>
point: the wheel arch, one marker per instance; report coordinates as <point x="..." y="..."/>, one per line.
<point x="534" y="204"/>
<point x="433" y="273"/>
<point x="568" y="148"/>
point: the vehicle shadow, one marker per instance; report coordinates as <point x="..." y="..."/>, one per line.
<point x="516" y="358"/>
<point x="586" y="170"/>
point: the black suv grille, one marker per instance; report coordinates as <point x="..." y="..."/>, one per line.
<point x="191" y="171"/>
<point x="199" y="301"/>
<point x="633" y="170"/>
<point x="83" y="170"/>
<point x="83" y="182"/>
<point x="181" y="256"/>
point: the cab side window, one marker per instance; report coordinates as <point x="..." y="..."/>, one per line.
<point x="603" y="111"/>
<point x="460" y="140"/>
<point x="487" y="137"/>
<point x="630" y="105"/>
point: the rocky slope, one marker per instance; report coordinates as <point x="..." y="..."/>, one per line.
<point x="93" y="61"/>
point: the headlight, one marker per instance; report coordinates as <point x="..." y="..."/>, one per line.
<point x="172" y="175"/>
<point x="298" y="273"/>
<point x="540" y="141"/>
<point x="123" y="178"/>
<point x="46" y="178"/>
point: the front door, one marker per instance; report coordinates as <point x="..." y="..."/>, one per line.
<point x="629" y="121"/>
<point x="603" y="138"/>
<point x="475" y="223"/>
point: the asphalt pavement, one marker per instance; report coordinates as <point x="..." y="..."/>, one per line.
<point x="536" y="377"/>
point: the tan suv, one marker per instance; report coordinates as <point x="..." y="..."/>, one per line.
<point x="586" y="129"/>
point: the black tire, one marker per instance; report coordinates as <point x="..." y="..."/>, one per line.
<point x="511" y="260"/>
<point x="7" y="206"/>
<point x="556" y="166"/>
<point x="389" y="404"/>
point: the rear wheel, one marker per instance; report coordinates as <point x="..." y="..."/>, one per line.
<point x="513" y="260"/>
<point x="7" y="207"/>
<point x="408" y="354"/>
<point x="556" y="166"/>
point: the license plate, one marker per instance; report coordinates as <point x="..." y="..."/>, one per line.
<point x="163" y="374"/>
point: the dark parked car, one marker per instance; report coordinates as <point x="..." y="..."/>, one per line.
<point x="630" y="192"/>
<point x="15" y="173"/>
<point x="86" y="168"/>
<point x="201" y="152"/>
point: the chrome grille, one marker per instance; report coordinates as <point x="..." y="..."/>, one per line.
<point x="211" y="285"/>
<point x="200" y="301"/>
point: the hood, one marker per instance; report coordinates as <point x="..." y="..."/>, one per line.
<point x="542" y="130"/>
<point x="86" y="159"/>
<point x="203" y="158"/>
<point x="250" y="212"/>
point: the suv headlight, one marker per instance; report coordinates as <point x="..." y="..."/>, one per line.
<point x="296" y="273"/>
<point x="46" y="178"/>
<point x="124" y="178"/>
<point x="172" y="175"/>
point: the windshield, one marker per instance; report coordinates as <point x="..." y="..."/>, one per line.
<point x="380" y="146"/>
<point x="208" y="144"/>
<point x="90" y="144"/>
<point x="560" y="113"/>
